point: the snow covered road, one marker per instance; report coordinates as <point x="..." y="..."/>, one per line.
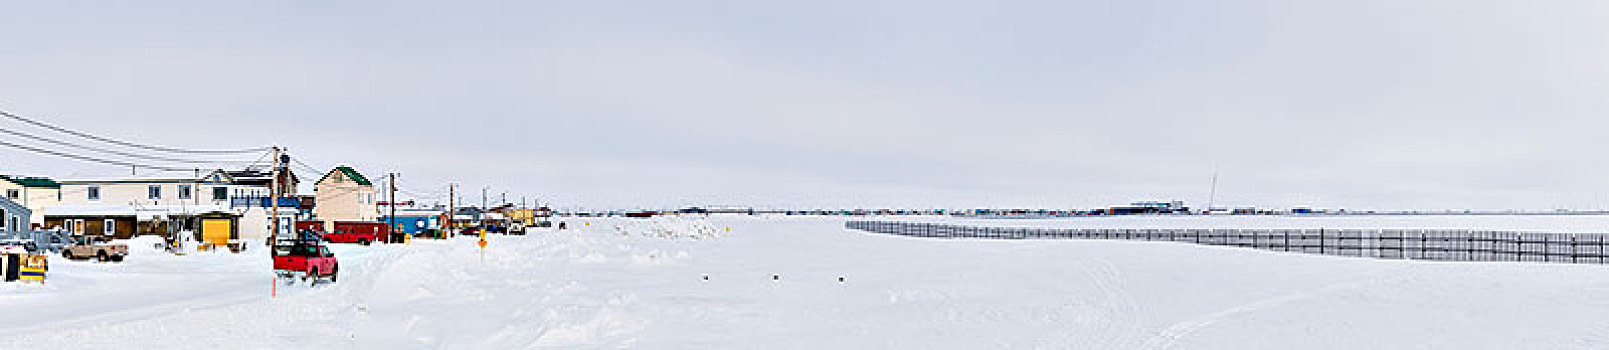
<point x="774" y="283"/>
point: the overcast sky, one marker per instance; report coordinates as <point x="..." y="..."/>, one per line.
<point x="1360" y="104"/>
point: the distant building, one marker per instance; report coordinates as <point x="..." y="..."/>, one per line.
<point x="525" y="216"/>
<point x="344" y="194"/>
<point x="1149" y="208"/>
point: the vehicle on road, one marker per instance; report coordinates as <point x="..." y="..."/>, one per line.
<point x="309" y="260"/>
<point x="357" y="232"/>
<point x="97" y="248"/>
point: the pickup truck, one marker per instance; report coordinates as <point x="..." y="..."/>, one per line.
<point x="363" y="238"/>
<point x="357" y="232"/>
<point x="310" y="260"/>
<point x="92" y="247"/>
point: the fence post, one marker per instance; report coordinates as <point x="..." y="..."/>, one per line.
<point x="1572" y="248"/>
<point x="1321" y="241"/>
<point x="1287" y="235"/>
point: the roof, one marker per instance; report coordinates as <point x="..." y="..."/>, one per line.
<point x="31" y="181"/>
<point x="350" y="173"/>
<point x="7" y="203"/>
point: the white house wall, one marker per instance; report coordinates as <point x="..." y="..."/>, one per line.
<point x="137" y="194"/>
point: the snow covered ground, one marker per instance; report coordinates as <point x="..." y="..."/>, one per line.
<point x="773" y="282"/>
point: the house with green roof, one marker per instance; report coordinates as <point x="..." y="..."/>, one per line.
<point x="34" y="193"/>
<point x="344" y="194"/>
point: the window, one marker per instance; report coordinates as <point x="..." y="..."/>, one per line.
<point x="13" y="194"/>
<point x="220" y="193"/>
<point x="16" y="223"/>
<point x="184" y="191"/>
<point x="154" y="191"/>
<point x="94" y="193"/>
<point x="111" y="227"/>
<point x="2" y="220"/>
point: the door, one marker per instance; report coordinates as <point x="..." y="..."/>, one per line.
<point x="216" y="231"/>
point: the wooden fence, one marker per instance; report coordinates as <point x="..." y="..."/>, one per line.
<point x="1418" y="244"/>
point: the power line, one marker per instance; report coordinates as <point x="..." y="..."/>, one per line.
<point x="126" y="143"/>
<point x="309" y="169"/>
<point x="125" y="154"/>
<point x="88" y="158"/>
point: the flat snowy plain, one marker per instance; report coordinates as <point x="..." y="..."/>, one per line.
<point x="631" y="283"/>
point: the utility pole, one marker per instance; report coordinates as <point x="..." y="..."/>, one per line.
<point x="393" y="207"/>
<point x="483" y="197"/>
<point x="273" y="193"/>
<point x="1212" y="194"/>
<point x="452" y="209"/>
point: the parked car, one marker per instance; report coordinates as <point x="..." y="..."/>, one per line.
<point x="95" y="247"/>
<point x="309" y="260"/>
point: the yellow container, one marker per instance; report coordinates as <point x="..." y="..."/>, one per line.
<point x="33" y="268"/>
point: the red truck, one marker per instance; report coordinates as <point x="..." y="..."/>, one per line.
<point x="310" y="260"/>
<point x="360" y="232"/>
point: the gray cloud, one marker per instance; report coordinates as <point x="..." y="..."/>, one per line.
<point x="1357" y="104"/>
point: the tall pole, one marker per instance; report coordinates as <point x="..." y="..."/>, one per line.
<point x="393" y="205"/>
<point x="274" y="199"/>
<point x="1212" y="194"/>
<point x="452" y="207"/>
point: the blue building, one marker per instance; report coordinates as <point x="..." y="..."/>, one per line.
<point x="14" y="217"/>
<point x="415" y="221"/>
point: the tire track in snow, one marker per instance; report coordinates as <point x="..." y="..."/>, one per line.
<point x="1170" y="336"/>
<point x="1124" y="317"/>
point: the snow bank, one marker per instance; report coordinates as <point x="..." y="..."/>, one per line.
<point x="807" y="283"/>
<point x="669" y="228"/>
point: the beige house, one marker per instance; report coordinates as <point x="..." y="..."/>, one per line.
<point x="34" y="193"/>
<point x="344" y="195"/>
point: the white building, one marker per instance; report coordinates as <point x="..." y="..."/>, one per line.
<point x="246" y="197"/>
<point x="34" y="193"/>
